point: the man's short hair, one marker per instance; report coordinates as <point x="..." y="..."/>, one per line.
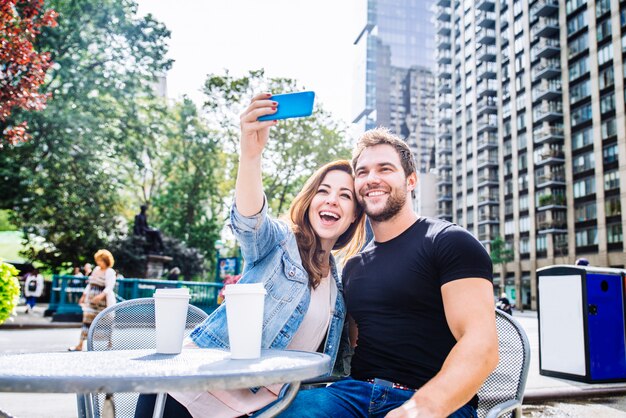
<point x="383" y="136"/>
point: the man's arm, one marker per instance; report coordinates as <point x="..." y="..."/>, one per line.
<point x="468" y="305"/>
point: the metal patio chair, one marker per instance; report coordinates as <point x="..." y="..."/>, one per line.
<point x="128" y="325"/>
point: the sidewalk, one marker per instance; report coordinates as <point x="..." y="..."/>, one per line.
<point x="538" y="388"/>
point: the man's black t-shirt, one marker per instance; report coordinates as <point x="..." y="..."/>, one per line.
<point x="393" y="292"/>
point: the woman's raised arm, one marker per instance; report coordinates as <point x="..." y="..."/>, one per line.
<point x="254" y="136"/>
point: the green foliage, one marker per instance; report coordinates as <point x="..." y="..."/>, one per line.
<point x="297" y="147"/>
<point x="500" y="254"/>
<point x="5" y="221"/>
<point x="64" y="184"/>
<point x="9" y="291"/>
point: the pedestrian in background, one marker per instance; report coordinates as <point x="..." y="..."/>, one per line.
<point x="33" y="288"/>
<point x="98" y="294"/>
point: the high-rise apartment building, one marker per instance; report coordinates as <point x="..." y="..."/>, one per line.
<point x="395" y="79"/>
<point x="531" y="140"/>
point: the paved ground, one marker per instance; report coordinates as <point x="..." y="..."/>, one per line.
<point x="33" y="332"/>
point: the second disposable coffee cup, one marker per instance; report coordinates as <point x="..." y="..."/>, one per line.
<point x="244" y="314"/>
<point x="170" y="310"/>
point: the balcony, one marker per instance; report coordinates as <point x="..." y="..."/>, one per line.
<point x="487" y="88"/>
<point x="487" y="5"/>
<point x="487" y="123"/>
<point x="547" y="69"/>
<point x="548" y="134"/>
<point x="486" y="141"/>
<point x="445" y="87"/>
<point x="552" y="201"/>
<point x="545" y="27"/>
<point x="444" y="179"/>
<point x="547" y="112"/>
<point x="547" y="91"/>
<point x="549" y="180"/>
<point x="443" y="57"/>
<point x="443" y="14"/>
<point x="443" y="42"/>
<point x="545" y="48"/>
<point x="550" y="156"/>
<point x="443" y="3"/>
<point x="487" y="70"/>
<point x="444" y="163"/>
<point x="486" y="19"/>
<point x="488" y="219"/>
<point x="444" y="71"/>
<point x="486" y="53"/>
<point x="486" y="162"/>
<point x="545" y="8"/>
<point x="552" y="227"/>
<point x="445" y="117"/>
<point x="443" y="28"/>
<point x="444" y="197"/>
<point x="488" y="199"/>
<point x="487" y="181"/>
<point x="444" y="132"/>
<point x="486" y="36"/>
<point x="487" y="105"/>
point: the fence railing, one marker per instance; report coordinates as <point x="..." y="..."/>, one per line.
<point x="67" y="290"/>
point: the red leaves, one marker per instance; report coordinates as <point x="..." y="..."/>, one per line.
<point x="22" y="69"/>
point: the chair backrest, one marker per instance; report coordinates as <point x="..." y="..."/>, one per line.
<point x="129" y="325"/>
<point x="508" y="380"/>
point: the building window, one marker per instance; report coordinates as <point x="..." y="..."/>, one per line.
<point x="582" y="162"/>
<point x="521" y="141"/>
<point x="509" y="227"/>
<point x="608" y="128"/>
<point x="524" y="224"/>
<point x="604" y="30"/>
<point x="605" y="54"/>
<point x="523" y="182"/>
<point x="571" y="5"/>
<point x="581" y="114"/>
<point x="587" y="236"/>
<point x="614" y="233"/>
<point x="523" y="202"/>
<point x="579" y="68"/>
<point x="606" y="78"/>
<point x="602" y="6"/>
<point x="582" y="138"/>
<point x="607" y="102"/>
<point x="584" y="187"/>
<point x="576" y="23"/>
<point x="541" y="243"/>
<point x="613" y="206"/>
<point x="579" y="91"/>
<point x="611" y="180"/>
<point x="585" y="212"/>
<point x="524" y="245"/>
<point x="579" y="44"/>
<point x="609" y="154"/>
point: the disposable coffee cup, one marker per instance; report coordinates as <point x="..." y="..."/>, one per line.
<point x="244" y="314"/>
<point x="170" y="310"/>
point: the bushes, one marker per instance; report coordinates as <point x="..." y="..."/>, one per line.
<point x="9" y="291"/>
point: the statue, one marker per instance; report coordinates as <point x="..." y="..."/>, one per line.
<point x="152" y="235"/>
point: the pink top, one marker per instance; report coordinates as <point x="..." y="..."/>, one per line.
<point x="234" y="403"/>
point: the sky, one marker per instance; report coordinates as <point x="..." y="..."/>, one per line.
<point x="307" y="40"/>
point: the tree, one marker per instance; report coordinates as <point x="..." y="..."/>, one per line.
<point x="190" y="204"/>
<point x="297" y="147"/>
<point x="22" y="68"/>
<point x="500" y="255"/>
<point x="65" y="184"/>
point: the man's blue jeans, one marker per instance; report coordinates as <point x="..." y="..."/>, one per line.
<point x="354" y="398"/>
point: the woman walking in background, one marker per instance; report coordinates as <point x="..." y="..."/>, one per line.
<point x="98" y="293"/>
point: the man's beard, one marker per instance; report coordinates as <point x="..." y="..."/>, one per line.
<point x="395" y="202"/>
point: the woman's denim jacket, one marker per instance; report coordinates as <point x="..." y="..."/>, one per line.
<point x="271" y="256"/>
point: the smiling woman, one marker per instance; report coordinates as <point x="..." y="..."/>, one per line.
<point x="304" y="305"/>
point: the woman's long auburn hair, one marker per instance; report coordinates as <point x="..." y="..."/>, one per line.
<point x="349" y="243"/>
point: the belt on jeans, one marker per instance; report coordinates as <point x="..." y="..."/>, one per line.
<point x="388" y="384"/>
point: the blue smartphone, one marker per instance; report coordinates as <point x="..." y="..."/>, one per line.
<point x="292" y="105"/>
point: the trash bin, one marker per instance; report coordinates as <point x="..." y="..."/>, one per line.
<point x="581" y="323"/>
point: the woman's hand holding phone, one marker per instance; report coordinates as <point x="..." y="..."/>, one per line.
<point x="255" y="133"/>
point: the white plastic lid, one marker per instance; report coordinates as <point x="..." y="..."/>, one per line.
<point x="241" y="289"/>
<point x="179" y="292"/>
